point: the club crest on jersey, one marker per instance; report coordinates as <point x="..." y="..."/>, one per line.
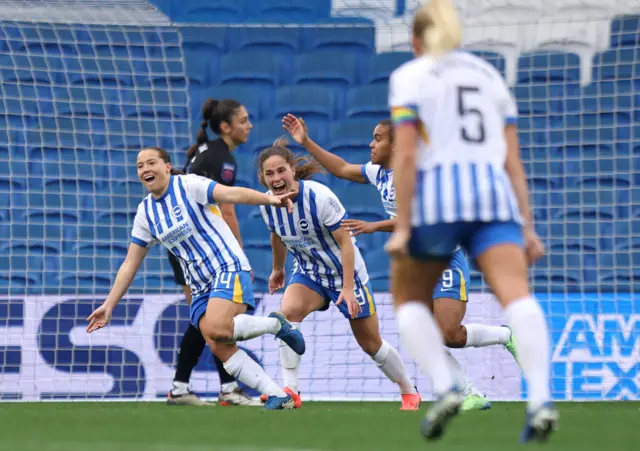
<point x="176" y="211"/>
<point x="228" y="172"/>
<point x="303" y="225"/>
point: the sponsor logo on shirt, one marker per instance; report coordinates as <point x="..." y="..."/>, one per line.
<point x="228" y="172"/>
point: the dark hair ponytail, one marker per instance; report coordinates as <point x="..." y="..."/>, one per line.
<point x="214" y="113"/>
<point x="165" y="157"/>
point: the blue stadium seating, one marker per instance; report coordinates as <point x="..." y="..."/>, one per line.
<point x="252" y="67"/>
<point x="625" y="31"/>
<point x="288" y="11"/>
<point x="328" y="68"/>
<point x="383" y="64"/>
<point x="368" y="102"/>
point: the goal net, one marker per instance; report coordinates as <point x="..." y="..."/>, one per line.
<point x="86" y="84"/>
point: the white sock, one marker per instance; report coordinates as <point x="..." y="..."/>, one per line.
<point x="479" y="336"/>
<point x="460" y="377"/>
<point x="290" y="364"/>
<point x="246" y="327"/>
<point x="532" y="343"/>
<point x="179" y="388"/>
<point x="390" y="363"/>
<point x="456" y="370"/>
<point x="249" y="372"/>
<point x="228" y="387"/>
<point x="422" y="338"/>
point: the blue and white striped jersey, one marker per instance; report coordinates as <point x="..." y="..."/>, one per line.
<point x="307" y="234"/>
<point x="188" y="223"/>
<point x="460" y="105"/>
<point x="383" y="180"/>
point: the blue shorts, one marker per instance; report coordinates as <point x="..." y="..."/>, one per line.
<point x="439" y="241"/>
<point x="232" y="286"/>
<point x="454" y="282"/>
<point x="364" y="294"/>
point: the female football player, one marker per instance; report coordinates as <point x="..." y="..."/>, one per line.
<point x="214" y="160"/>
<point x="181" y="213"/>
<point x="328" y="266"/>
<point x="451" y="291"/>
<point x="460" y="181"/>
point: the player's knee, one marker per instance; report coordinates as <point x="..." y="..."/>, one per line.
<point x="221" y="331"/>
<point x="370" y="345"/>
<point x="454" y="336"/>
<point x="293" y="313"/>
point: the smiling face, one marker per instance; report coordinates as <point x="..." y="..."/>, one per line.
<point x="278" y="175"/>
<point x="153" y="172"/>
<point x="239" y="128"/>
<point x="381" y="145"/>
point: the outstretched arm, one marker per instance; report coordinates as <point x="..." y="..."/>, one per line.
<point x="237" y="195"/>
<point x="101" y="316"/>
<point x="332" y="163"/>
<point x="356" y="227"/>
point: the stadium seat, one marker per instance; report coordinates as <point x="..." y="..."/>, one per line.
<point x="28" y="69"/>
<point x="208" y="41"/>
<point x="309" y="101"/>
<point x="12" y="199"/>
<point x="362" y="202"/>
<point x="210" y="11"/>
<point x="277" y="40"/>
<point x="289" y="11"/>
<point x="328" y="68"/>
<point x="548" y="66"/>
<point x="382" y="64"/>
<point x="83" y="101"/>
<point x="155" y="104"/>
<point x="356" y="40"/>
<point x="625" y="31"/>
<point x="611" y="101"/>
<point x="621" y="63"/>
<point x="538" y="100"/>
<point x="351" y="134"/>
<point x="252" y="68"/>
<point x="368" y="102"/>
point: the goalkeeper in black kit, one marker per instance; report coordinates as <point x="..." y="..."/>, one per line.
<point x="211" y="159"/>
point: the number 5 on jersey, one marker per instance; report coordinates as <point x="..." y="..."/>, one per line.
<point x="475" y="135"/>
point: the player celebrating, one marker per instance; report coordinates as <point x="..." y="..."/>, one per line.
<point x="451" y="289"/>
<point x="460" y="181"/>
<point x="181" y="213"/>
<point x="328" y="266"/>
<point x="211" y="159"/>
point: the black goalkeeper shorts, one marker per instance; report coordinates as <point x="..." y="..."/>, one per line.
<point x="178" y="275"/>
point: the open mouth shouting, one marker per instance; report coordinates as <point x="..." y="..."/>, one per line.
<point x="279" y="188"/>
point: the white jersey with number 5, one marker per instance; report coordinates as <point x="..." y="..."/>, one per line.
<point x="308" y="235"/>
<point x="460" y="104"/>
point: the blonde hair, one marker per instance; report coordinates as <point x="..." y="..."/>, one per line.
<point x="437" y="24"/>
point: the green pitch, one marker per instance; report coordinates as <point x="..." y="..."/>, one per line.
<point x="315" y="427"/>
